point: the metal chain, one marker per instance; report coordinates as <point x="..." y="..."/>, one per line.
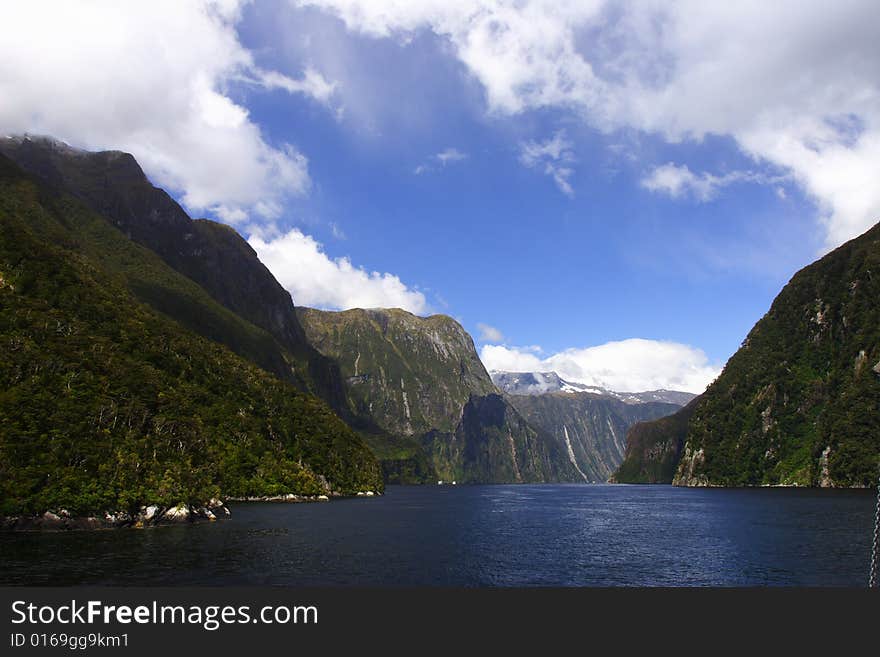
<point x="875" y="547"/>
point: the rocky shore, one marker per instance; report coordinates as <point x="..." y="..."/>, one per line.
<point x="152" y="515"/>
<point x="290" y="497"/>
<point x="148" y="516"/>
<point x="293" y="498"/>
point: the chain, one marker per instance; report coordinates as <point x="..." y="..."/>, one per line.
<point x="875" y="547"/>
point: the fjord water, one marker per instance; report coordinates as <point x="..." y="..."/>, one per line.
<point x="549" y="535"/>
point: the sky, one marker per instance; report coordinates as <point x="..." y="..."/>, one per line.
<point x="615" y="191"/>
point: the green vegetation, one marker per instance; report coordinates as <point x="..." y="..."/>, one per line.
<point x="802" y="384"/>
<point x="798" y="402"/>
<point x="428" y="407"/>
<point x="494" y="444"/>
<point x="200" y="273"/>
<point x="402" y="458"/>
<point x="653" y="449"/>
<point x="407" y="374"/>
<point x="107" y="404"/>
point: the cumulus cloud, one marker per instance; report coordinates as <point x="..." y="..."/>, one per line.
<point x="489" y="333"/>
<point x="678" y="181"/>
<point x="315" y="279"/>
<point x="553" y="156"/>
<point x="154" y="79"/>
<point x="632" y="365"/>
<point x="796" y="87"/>
<point x="522" y="52"/>
<point x="444" y="157"/>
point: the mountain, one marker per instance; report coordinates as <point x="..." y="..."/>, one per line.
<point x="494" y="444"/>
<point x="653" y="449"/>
<point x="420" y="383"/>
<point x="539" y="383"/>
<point x="110" y="403"/>
<point x="591" y="428"/>
<point x="797" y="403"/>
<point x="234" y="293"/>
<point x="410" y="374"/>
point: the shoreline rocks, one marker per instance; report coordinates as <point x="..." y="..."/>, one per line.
<point x="154" y="515"/>
<point x="295" y="498"/>
<point x="149" y="516"/>
<point x="289" y="497"/>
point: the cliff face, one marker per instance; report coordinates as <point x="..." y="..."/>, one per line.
<point x="797" y="404"/>
<point x="420" y="382"/>
<point x="212" y="255"/>
<point x="409" y="374"/>
<point x="653" y="449"/>
<point x="494" y="444"/>
<point x="591" y="429"/>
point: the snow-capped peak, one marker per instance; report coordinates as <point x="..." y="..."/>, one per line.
<point x="539" y="383"/>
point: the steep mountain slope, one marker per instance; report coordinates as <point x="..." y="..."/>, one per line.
<point x="212" y="255"/>
<point x="493" y="443"/>
<point x="797" y="404"/>
<point x="421" y="383"/>
<point x="107" y="404"/>
<point x="592" y="428"/>
<point x="653" y="449"/>
<point x="410" y="374"/>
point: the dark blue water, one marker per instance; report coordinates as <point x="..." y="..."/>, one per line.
<point x="482" y="536"/>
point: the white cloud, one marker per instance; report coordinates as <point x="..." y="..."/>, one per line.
<point x="522" y="52"/>
<point x="678" y="181"/>
<point x="450" y="155"/>
<point x="153" y="79"/>
<point x="632" y="365"/>
<point x="315" y="279"/>
<point x="554" y="156"/>
<point x="312" y="84"/>
<point x="796" y="85"/>
<point x="489" y="333"/>
<point x="442" y="158"/>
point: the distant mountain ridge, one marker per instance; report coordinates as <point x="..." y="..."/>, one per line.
<point x="539" y="383"/>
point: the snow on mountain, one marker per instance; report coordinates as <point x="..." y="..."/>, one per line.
<point x="539" y="383"/>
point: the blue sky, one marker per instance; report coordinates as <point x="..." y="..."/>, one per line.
<point x="616" y="191"/>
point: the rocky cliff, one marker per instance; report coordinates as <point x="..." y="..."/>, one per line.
<point x="653" y="449"/>
<point x="409" y="374"/>
<point x="420" y="382"/>
<point x="797" y="404"/>
<point x="591" y="428"/>
<point x="493" y="443"/>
